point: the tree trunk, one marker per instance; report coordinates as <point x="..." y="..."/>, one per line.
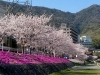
<point x="22" y="49"/>
<point x="54" y="54"/>
<point x="30" y="51"/>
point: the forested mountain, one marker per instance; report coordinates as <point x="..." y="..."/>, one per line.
<point x="86" y="21"/>
<point x="58" y="15"/>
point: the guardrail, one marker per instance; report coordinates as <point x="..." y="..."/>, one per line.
<point x="5" y="48"/>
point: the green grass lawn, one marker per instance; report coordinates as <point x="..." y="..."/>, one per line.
<point x="77" y="72"/>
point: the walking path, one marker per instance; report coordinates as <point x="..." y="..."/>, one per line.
<point x="86" y="67"/>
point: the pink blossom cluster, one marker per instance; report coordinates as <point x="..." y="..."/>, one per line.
<point x="19" y="59"/>
<point x="36" y="32"/>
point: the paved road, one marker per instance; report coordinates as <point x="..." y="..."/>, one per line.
<point x="86" y="67"/>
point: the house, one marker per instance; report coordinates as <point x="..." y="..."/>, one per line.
<point x="86" y="41"/>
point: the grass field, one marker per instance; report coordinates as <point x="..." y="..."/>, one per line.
<point x="77" y="72"/>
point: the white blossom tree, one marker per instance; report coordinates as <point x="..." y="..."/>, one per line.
<point x="33" y="31"/>
<point x="23" y="28"/>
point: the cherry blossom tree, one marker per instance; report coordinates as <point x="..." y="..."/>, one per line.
<point x="33" y="31"/>
<point x="23" y="28"/>
<point x="81" y="51"/>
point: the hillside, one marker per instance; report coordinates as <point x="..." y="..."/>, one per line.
<point x="89" y="20"/>
<point x="2" y="12"/>
<point x="86" y="21"/>
<point x="58" y="15"/>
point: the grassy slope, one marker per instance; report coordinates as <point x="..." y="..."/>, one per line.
<point x="77" y="72"/>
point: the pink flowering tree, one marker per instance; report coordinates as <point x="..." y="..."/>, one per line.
<point x="81" y="51"/>
<point x="33" y="31"/>
<point x="23" y="28"/>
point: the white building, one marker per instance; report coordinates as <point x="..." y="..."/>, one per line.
<point x="85" y="40"/>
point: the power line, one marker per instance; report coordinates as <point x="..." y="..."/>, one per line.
<point x="26" y="5"/>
